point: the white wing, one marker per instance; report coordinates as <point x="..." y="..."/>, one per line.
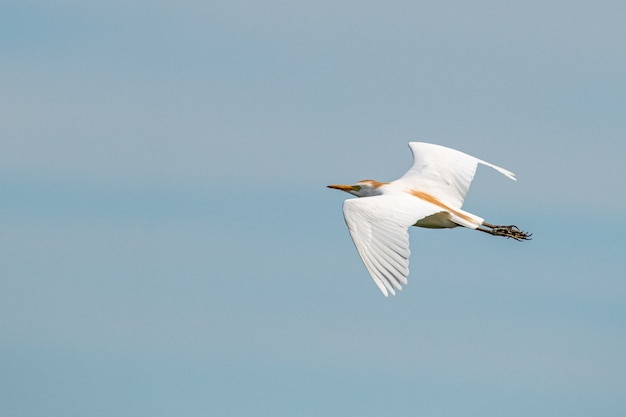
<point x="379" y="229"/>
<point x="443" y="172"/>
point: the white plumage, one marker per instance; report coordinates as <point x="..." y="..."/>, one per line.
<point x="429" y="195"/>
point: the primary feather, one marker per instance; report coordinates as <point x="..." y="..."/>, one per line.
<point x="379" y="227"/>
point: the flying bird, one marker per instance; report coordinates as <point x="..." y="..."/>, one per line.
<point x="429" y="195"/>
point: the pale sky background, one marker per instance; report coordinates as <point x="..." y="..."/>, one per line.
<point x="168" y="246"/>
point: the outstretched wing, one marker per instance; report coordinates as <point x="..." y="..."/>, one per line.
<point x="443" y="172"/>
<point x="379" y="229"/>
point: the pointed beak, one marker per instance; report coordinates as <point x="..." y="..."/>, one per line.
<point x="346" y="188"/>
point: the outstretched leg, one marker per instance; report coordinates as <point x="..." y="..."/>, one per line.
<point x="506" y="231"/>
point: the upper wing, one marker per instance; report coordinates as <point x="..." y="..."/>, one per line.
<point x="443" y="172"/>
<point x="379" y="229"/>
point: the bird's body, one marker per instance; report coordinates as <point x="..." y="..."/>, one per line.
<point x="429" y="195"/>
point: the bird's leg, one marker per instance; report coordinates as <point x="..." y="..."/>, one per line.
<point x="506" y="231"/>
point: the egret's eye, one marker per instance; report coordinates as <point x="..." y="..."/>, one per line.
<point x="356" y="187"/>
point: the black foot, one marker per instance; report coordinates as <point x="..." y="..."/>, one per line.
<point x="512" y="232"/>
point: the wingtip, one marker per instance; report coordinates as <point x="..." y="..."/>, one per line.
<point x="503" y="171"/>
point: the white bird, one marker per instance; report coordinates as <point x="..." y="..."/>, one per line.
<point x="429" y="195"/>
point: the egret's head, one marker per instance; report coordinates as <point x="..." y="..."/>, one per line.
<point x="364" y="188"/>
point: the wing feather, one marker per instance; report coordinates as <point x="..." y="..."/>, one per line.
<point x="446" y="173"/>
<point x="388" y="256"/>
<point x="379" y="226"/>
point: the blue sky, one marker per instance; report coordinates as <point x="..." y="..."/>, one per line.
<point x="168" y="246"/>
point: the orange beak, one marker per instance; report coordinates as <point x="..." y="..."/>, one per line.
<point x="346" y="188"/>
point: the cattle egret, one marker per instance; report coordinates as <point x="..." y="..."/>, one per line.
<point x="429" y="195"/>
